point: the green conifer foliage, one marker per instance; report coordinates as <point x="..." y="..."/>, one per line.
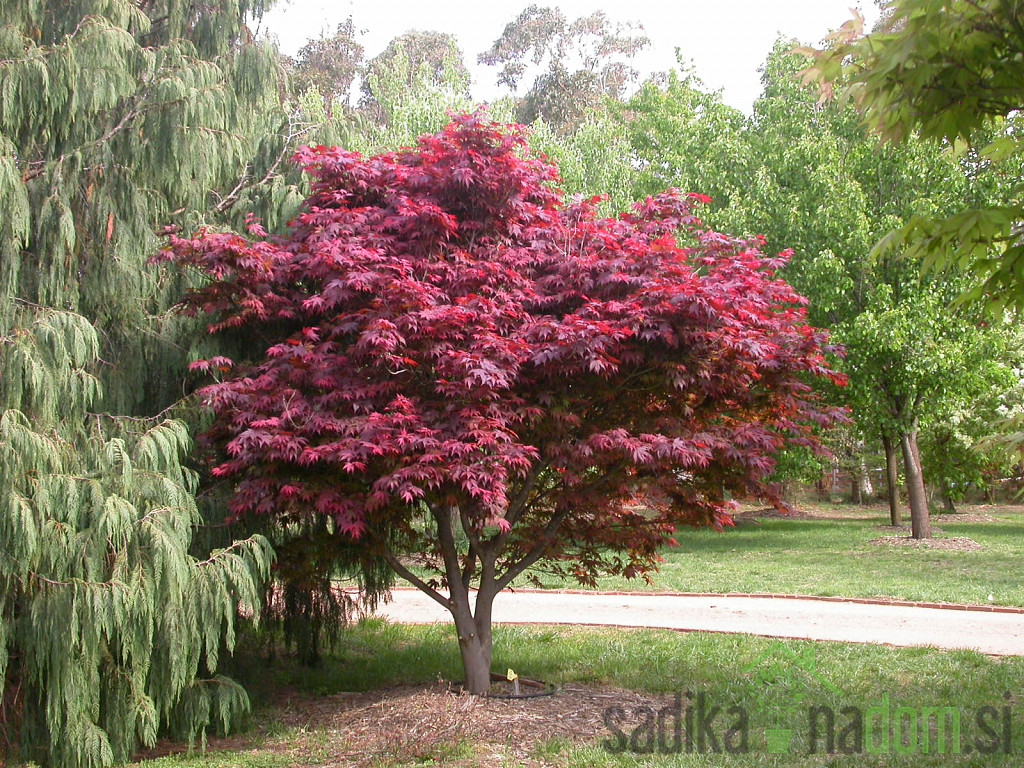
<point x="109" y="627"/>
<point x="117" y="118"/>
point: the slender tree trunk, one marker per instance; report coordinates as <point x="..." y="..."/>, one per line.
<point x="473" y="618"/>
<point x="867" y="490"/>
<point x="860" y="484"/>
<point x="822" y="491"/>
<point x="920" y="523"/>
<point x="892" y="479"/>
<point x="948" y="505"/>
<point x="943" y="438"/>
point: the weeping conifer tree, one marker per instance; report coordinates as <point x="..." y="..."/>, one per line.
<point x="117" y="118"/>
<point x="109" y="627"/>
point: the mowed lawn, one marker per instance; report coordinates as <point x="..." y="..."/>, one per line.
<point x="383" y="697"/>
<point x="382" y="700"/>
<point x="832" y="554"/>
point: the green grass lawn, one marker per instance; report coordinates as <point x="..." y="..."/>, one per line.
<point x="406" y="721"/>
<point x="757" y="685"/>
<point x="832" y="556"/>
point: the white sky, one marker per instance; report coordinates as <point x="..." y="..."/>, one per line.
<point x="726" y="40"/>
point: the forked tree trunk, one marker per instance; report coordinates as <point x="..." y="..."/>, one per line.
<point x="892" y="479"/>
<point x="473" y="617"/>
<point x="473" y="625"/>
<point x="472" y="621"/>
<point x="920" y="523"/>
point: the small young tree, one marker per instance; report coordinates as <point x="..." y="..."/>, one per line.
<point x="472" y="376"/>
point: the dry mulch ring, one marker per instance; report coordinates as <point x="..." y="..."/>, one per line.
<point x="951" y="543"/>
<point x="427" y="723"/>
<point x="965" y="517"/>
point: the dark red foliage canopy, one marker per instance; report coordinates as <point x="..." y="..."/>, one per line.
<point x="444" y="331"/>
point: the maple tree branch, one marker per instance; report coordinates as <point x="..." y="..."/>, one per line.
<point x="499" y="541"/>
<point x="398" y="567"/>
<point x="550" y="530"/>
<point x="449" y="554"/>
<point x="469" y="571"/>
<point x="469" y="567"/>
<point x="535" y="553"/>
<point x="519" y="503"/>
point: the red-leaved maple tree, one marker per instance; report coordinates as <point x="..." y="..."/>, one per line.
<point x="469" y="374"/>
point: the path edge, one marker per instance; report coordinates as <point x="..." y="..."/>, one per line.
<point x="767" y="596"/>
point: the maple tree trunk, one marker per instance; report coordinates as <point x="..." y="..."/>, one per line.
<point x="475" y="638"/>
<point x="892" y="479"/>
<point x="920" y="523"/>
<point x="472" y="620"/>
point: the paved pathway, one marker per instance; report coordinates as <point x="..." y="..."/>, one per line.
<point x="981" y="629"/>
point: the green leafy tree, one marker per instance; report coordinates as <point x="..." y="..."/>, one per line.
<point x="913" y="363"/>
<point x="951" y="71"/>
<point x="682" y="135"/>
<point x="116" y="119"/>
<point x="425" y="68"/>
<point x="806" y="175"/>
<point x="109" y="626"/>
<point x="956" y="446"/>
<point x="839" y="191"/>
<point x="593" y="160"/>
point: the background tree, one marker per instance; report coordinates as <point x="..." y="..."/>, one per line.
<point x="593" y="160"/>
<point x="682" y="135"/>
<point x="807" y="175"/>
<point x="913" y="366"/>
<point x="575" y="65"/>
<point x="833" y="191"/>
<point x="411" y="62"/>
<point x="454" y="349"/>
<point x="952" y="72"/>
<point x="330" y="65"/>
<point x="402" y="101"/>
<point x="954" y="448"/>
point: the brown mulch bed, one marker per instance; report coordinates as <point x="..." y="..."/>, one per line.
<point x="905" y="529"/>
<point x="953" y="543"/>
<point x="964" y="517"/>
<point x="427" y="723"/>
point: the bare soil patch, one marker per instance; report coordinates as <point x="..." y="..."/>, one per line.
<point x="905" y="529"/>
